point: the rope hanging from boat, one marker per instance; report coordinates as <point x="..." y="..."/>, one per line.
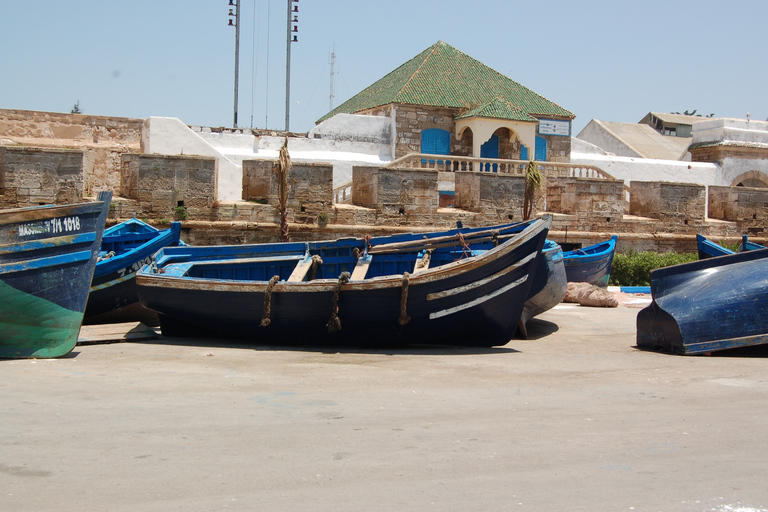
<point x="466" y="251"/>
<point x="265" y="321"/>
<point x="404" y="318"/>
<point x="334" y="324"/>
<point x="316" y="262"/>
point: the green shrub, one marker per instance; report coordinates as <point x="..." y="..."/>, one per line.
<point x="633" y="268"/>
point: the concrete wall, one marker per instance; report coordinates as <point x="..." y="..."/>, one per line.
<point x="160" y="184"/>
<point x="647" y="169"/>
<point x="34" y="176"/>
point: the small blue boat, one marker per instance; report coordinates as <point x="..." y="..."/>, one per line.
<point x="709" y="249"/>
<point x="47" y="258"/>
<point x="590" y="264"/>
<point x="349" y="292"/>
<point x="125" y="248"/>
<point x="707" y="305"/>
<point x="746" y="245"/>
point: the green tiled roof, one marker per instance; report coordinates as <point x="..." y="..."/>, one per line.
<point x="442" y="76"/>
<point x="497" y="108"/>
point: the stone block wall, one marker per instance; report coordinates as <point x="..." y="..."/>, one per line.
<point x="668" y="201"/>
<point x="411" y="120"/>
<point x="558" y="148"/>
<point x="496" y="196"/>
<point x="102" y="140"/>
<point x="402" y="191"/>
<point x="310" y="187"/>
<point x="746" y="205"/>
<point x="585" y="197"/>
<point x="31" y="176"/>
<point x="162" y="185"/>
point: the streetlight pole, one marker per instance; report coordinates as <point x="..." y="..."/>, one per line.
<point x="292" y="30"/>
<point x="236" y="24"/>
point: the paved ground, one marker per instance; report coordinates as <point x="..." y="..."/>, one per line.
<point x="575" y="419"/>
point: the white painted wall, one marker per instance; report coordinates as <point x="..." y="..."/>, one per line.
<point x="169" y="136"/>
<point x="343" y="141"/>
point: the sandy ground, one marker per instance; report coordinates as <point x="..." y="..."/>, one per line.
<point x="574" y="418"/>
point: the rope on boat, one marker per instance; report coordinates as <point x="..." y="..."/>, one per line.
<point x="466" y="251"/>
<point x="356" y="253"/>
<point x="495" y="238"/>
<point x="316" y="262"/>
<point x="404" y="318"/>
<point x="265" y="321"/>
<point x="334" y="324"/>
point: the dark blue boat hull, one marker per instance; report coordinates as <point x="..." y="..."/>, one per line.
<point x="707" y="305"/>
<point x="47" y="259"/>
<point x="549" y="285"/>
<point x="472" y="302"/>
<point x="113" y="296"/>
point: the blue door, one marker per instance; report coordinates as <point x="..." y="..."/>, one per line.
<point x="541" y="149"/>
<point x="435" y="141"/>
<point x="490" y="150"/>
<point x="523" y="152"/>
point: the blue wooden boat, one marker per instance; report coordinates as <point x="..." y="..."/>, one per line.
<point x="125" y="248"/>
<point x="709" y="249"/>
<point x="746" y="245"/>
<point x="347" y="292"/>
<point x="590" y="264"/>
<point x="707" y="305"/>
<point x="549" y="285"/>
<point x="47" y="258"/>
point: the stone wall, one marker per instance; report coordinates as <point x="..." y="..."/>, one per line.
<point x="672" y="202"/>
<point x="585" y="197"/>
<point x="34" y="176"/>
<point x="102" y="140"/>
<point x="746" y="205"/>
<point x="310" y="188"/>
<point x="558" y="148"/>
<point x="496" y="196"/>
<point x="401" y="191"/>
<point x="411" y="120"/>
<point x="175" y="186"/>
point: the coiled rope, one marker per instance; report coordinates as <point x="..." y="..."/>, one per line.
<point x="265" y="321"/>
<point x="316" y="262"/>
<point x="334" y="323"/>
<point x="404" y="318"/>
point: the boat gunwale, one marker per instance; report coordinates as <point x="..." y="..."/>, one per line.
<point x="446" y="271"/>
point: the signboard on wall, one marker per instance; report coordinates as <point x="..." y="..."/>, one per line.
<point x="553" y="127"/>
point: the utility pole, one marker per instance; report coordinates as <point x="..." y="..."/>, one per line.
<point x="292" y="37"/>
<point x="333" y="65"/>
<point x="236" y="24"/>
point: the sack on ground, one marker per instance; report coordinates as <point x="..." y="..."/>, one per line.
<point x="590" y="295"/>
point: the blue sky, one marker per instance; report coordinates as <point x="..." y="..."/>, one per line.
<point x="608" y="60"/>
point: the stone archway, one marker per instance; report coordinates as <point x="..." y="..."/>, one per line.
<point x="755" y="179"/>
